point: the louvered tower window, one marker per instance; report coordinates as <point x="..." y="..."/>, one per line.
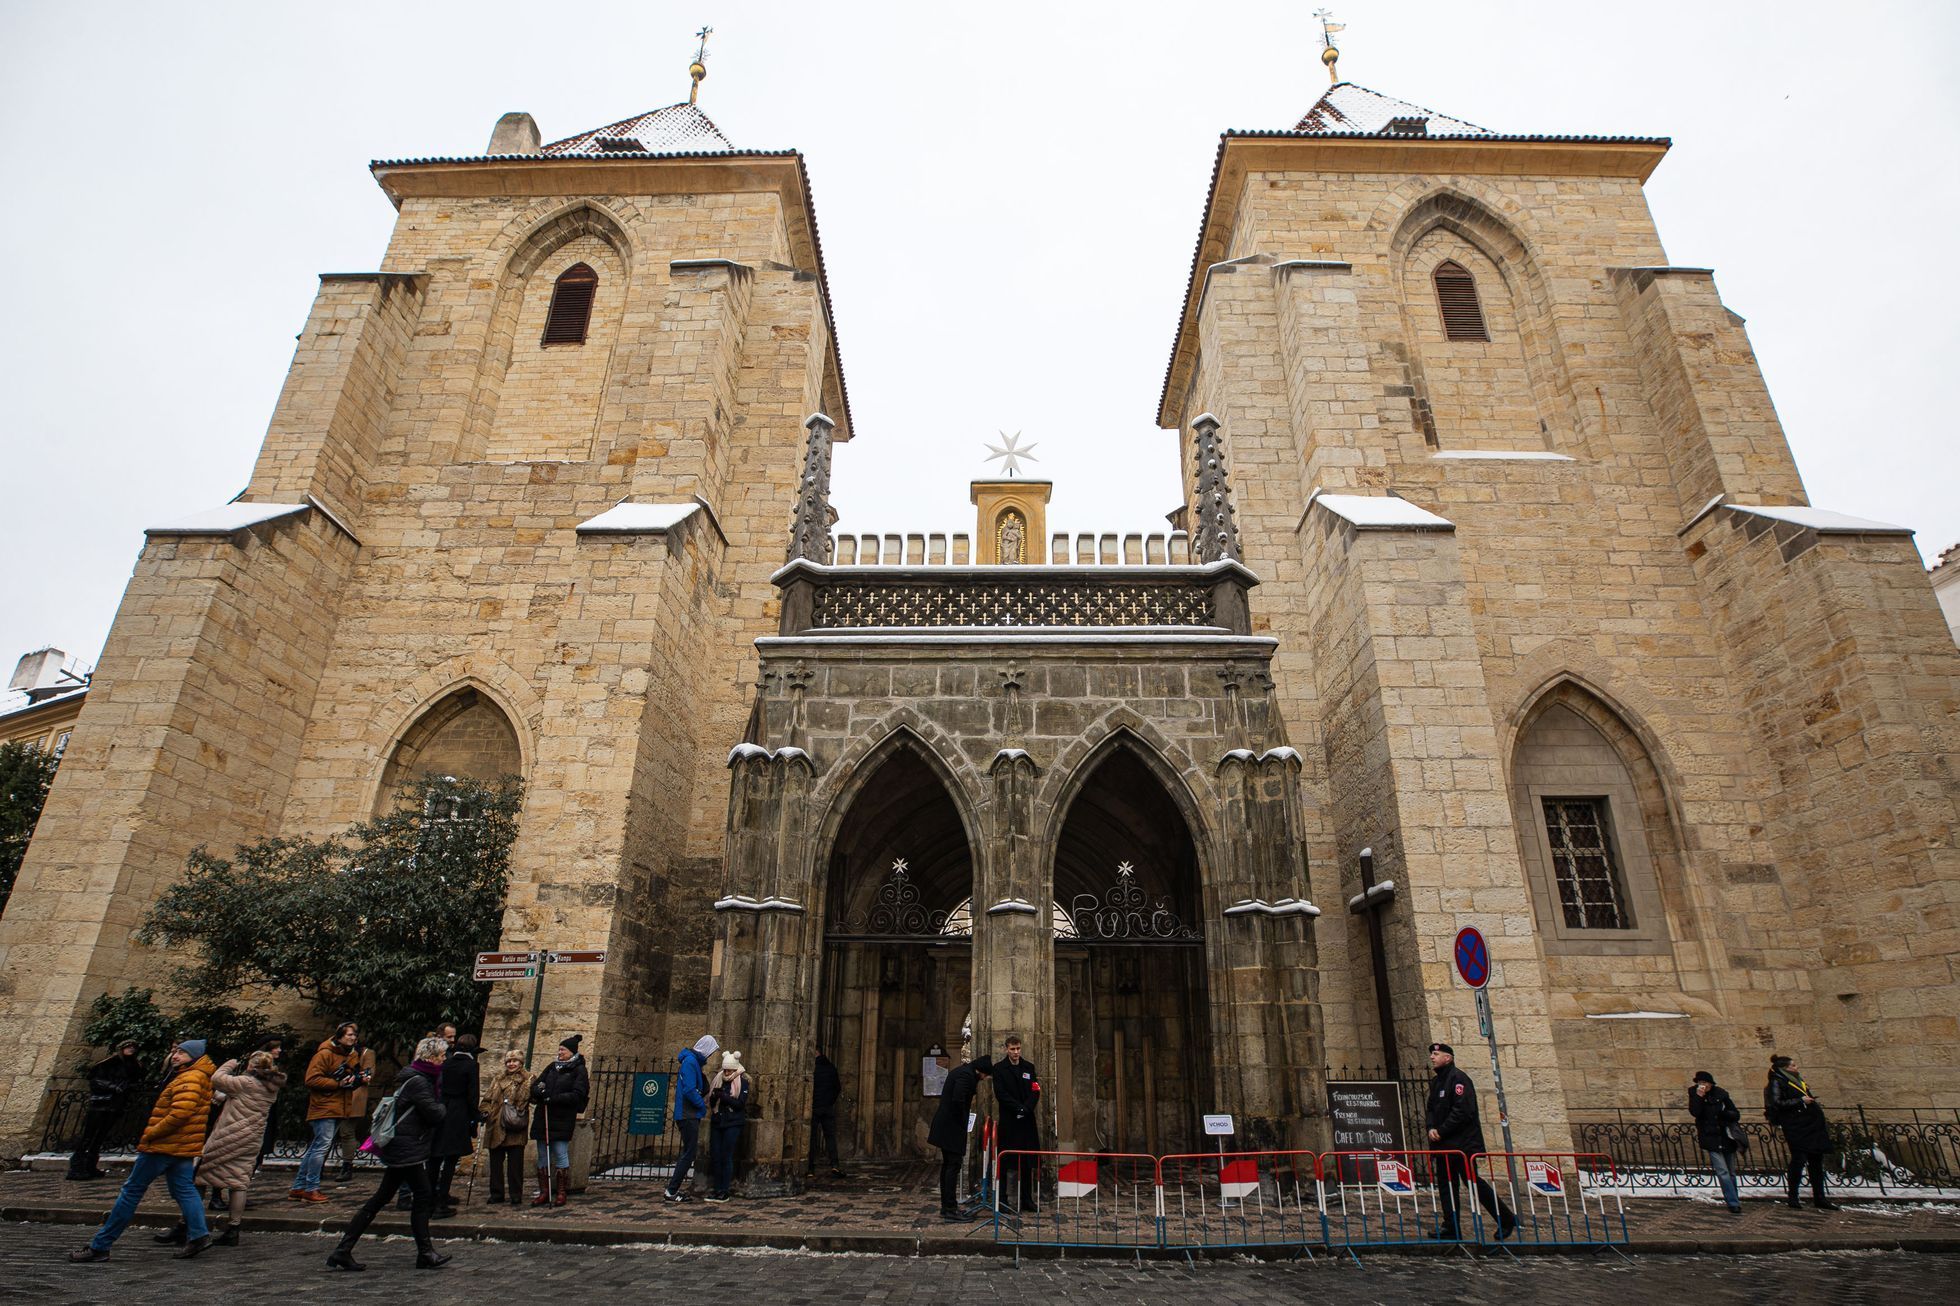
<point x="571" y="306"/>
<point x="1456" y="296"/>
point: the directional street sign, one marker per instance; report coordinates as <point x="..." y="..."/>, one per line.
<point x="508" y="971"/>
<point x="579" y="957"/>
<point x="506" y="958"/>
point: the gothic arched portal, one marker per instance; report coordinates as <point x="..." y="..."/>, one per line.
<point x="1132" y="1037"/>
<point x="895" y="981"/>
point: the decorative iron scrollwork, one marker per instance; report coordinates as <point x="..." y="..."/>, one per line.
<point x="1125" y="914"/>
<point x="857" y="604"/>
<point x="896" y="911"/>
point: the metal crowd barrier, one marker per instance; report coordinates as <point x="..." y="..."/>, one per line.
<point x="1274" y="1200"/>
<point x="1084" y="1199"/>
<point x="1553" y="1195"/>
<point x="1391" y="1199"/>
<point x="1240" y="1199"/>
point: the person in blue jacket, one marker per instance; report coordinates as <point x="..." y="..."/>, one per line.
<point x="690" y="1105"/>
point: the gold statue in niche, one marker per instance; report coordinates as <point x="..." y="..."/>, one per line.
<point x="1011" y="537"/>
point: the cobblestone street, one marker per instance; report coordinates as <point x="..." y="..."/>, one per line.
<point x="33" y="1268"/>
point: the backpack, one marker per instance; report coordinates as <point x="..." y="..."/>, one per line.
<point x="382" y="1129"/>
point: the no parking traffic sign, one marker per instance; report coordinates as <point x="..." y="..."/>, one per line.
<point x="1472" y="957"/>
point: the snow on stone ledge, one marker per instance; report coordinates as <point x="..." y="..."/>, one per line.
<point x="231" y="517"/>
<point x="1822" y="520"/>
<point x="626" y="518"/>
<point x="1382" y="512"/>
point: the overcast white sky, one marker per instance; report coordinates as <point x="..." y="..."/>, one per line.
<point x="1009" y="194"/>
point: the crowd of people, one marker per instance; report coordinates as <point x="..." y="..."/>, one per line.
<point x="211" y="1127"/>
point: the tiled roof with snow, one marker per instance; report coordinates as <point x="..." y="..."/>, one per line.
<point x="676" y="128"/>
<point x="1346" y="109"/>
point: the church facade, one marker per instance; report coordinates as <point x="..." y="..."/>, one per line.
<point x="1496" y="600"/>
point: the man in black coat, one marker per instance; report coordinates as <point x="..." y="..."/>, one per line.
<point x="826" y="1086"/>
<point x="457" y="1088"/>
<point x="949" y="1131"/>
<point x="110" y="1083"/>
<point x="1456" y="1131"/>
<point x="1017" y="1091"/>
<point x="1788" y="1102"/>
<point x="417" y="1119"/>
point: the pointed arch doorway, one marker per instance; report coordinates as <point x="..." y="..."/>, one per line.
<point x="1134" y="1069"/>
<point x="897" y="957"/>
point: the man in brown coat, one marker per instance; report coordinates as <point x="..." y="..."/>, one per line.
<point x="168" y="1150"/>
<point x="336" y="1102"/>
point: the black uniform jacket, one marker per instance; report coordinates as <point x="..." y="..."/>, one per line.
<point x="1017" y="1088"/>
<point x="1453" y="1112"/>
<point x="948" y="1132"/>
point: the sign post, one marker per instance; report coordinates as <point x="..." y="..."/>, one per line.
<point x="498" y="967"/>
<point x="1473" y="964"/>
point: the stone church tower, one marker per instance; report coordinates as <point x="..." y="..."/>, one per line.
<point x="516" y="511"/>
<point x="1561" y="637"/>
<point x="1495" y="600"/>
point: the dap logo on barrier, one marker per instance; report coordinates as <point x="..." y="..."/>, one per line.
<point x="1545" y="1177"/>
<point x="1472" y="957"/>
<point x="1394" y="1177"/>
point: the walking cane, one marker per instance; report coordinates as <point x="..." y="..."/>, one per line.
<point x="475" y="1165"/>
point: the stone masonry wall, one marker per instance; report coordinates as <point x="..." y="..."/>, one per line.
<point x="1572" y="566"/>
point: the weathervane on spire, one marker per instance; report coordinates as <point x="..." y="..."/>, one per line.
<point x="699" y="68"/>
<point x="1009" y="454"/>
<point x="1328" y="54"/>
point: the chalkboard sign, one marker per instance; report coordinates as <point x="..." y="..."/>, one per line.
<point x="1367" y="1117"/>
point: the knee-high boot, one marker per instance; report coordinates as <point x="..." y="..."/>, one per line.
<point x="544" y="1187"/>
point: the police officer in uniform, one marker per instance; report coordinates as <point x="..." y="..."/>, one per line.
<point x="949" y="1131"/>
<point x="1017" y="1090"/>
<point x="1456" y="1132"/>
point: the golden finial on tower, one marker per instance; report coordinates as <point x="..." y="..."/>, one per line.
<point x="699" y="68"/>
<point x="1328" y="54"/>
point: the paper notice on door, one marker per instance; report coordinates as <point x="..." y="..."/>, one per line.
<point x="932" y="1075"/>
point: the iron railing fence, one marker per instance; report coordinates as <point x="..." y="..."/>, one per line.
<point x="65" y="1108"/>
<point x="1874" y="1151"/>
<point x="618" y="1152"/>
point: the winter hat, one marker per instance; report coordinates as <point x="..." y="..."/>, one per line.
<point x="570" y="1044"/>
<point x="1703" y="1077"/>
<point x="707" y="1045"/>
<point x="192" y="1047"/>
<point x="732" y="1060"/>
<point x="984" y="1066"/>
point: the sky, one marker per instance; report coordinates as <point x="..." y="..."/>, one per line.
<point x="1008" y="195"/>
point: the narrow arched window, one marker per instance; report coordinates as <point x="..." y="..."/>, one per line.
<point x="571" y="306"/>
<point x="1456" y="296"/>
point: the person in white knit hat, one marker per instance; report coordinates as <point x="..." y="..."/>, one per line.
<point x="728" y="1111"/>
<point x="690" y="1106"/>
